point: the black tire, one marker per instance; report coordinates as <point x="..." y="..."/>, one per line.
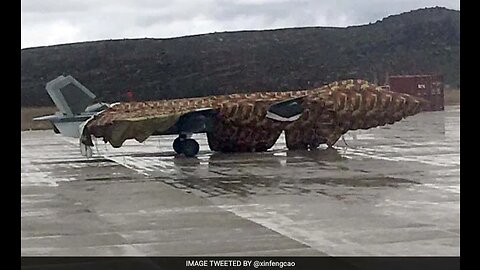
<point x="178" y="145"/>
<point x="190" y="147"/>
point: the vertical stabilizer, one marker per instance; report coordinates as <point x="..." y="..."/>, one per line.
<point x="70" y="96"/>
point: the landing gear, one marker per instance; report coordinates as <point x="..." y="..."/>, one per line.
<point x="186" y="146"/>
<point x="190" y="147"/>
<point x="178" y="145"/>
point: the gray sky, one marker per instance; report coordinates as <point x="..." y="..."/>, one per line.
<point x="49" y="22"/>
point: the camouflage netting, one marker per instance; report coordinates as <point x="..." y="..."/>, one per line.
<point x="347" y="105"/>
<point x="241" y="124"/>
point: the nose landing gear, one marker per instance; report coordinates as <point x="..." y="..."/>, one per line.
<point x="184" y="145"/>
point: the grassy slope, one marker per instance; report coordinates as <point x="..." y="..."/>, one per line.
<point x="419" y="42"/>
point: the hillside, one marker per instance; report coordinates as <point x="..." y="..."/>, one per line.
<point x="420" y="41"/>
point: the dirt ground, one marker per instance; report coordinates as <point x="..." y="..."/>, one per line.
<point x="452" y="96"/>
<point x="27" y="114"/>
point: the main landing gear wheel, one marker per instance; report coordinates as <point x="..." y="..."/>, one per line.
<point x="188" y="147"/>
<point x="178" y="145"/>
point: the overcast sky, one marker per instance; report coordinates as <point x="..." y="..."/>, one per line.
<point x="49" y="22"/>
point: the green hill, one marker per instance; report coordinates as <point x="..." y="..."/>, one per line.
<point x="421" y="41"/>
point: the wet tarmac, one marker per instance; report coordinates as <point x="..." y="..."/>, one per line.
<point x="391" y="190"/>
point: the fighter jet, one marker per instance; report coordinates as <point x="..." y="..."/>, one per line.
<point x="248" y="122"/>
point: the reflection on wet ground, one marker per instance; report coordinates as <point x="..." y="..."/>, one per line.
<point x="274" y="173"/>
<point x="391" y="190"/>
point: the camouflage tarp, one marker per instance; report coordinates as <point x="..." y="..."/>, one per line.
<point x="241" y="123"/>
